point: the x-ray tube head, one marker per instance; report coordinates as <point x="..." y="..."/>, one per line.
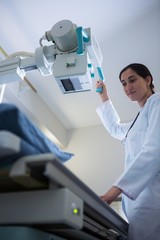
<point x="63" y="34"/>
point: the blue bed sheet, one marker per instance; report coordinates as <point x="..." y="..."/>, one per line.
<point x="33" y="141"/>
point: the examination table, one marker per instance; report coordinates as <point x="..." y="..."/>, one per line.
<point x="41" y="199"/>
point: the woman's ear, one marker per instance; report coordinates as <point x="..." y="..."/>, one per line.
<point x="148" y="80"/>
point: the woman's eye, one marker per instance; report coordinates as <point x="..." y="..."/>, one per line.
<point x="124" y="84"/>
<point x="132" y="80"/>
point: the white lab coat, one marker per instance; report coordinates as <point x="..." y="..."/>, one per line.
<point x="140" y="181"/>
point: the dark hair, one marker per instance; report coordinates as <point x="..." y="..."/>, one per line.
<point x="141" y="70"/>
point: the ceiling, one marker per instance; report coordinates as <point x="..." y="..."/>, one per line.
<point x="127" y="31"/>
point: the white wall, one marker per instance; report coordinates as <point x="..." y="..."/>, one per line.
<point x="98" y="159"/>
<point x="37" y="110"/>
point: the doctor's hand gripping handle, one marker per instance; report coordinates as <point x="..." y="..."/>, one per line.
<point x="101" y="77"/>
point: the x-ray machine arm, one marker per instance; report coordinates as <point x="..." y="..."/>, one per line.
<point x="73" y="58"/>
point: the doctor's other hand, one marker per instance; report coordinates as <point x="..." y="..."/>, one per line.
<point x="111" y="194"/>
<point x="103" y="94"/>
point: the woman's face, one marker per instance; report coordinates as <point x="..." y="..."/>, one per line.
<point x="136" y="87"/>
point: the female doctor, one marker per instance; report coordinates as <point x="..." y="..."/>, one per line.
<point x="140" y="182"/>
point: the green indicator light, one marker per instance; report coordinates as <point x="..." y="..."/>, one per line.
<point x="75" y="210"/>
